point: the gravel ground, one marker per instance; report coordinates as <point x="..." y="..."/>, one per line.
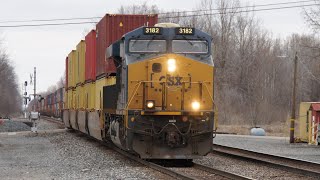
<point x="248" y="169"/>
<point x="13" y="126"/>
<point x="67" y="155"/>
<point x="271" y="145"/>
<point x="20" y="124"/>
<point x="46" y="125"/>
<point x="198" y="174"/>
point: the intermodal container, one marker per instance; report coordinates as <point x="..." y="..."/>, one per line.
<point x="110" y="29"/>
<point x="48" y="99"/>
<point x="67" y="72"/>
<point x="58" y="95"/>
<point x="44" y="104"/>
<point x="55" y="97"/>
<point x="61" y="106"/>
<point x="65" y="100"/>
<point x="76" y="69"/>
<point x="89" y="95"/>
<point x="79" y="97"/>
<point x="91" y="55"/>
<point x="71" y="69"/>
<point x="70" y="99"/>
<point x="74" y="100"/>
<point x="61" y="94"/>
<point x="52" y="98"/>
<point x="81" y="55"/>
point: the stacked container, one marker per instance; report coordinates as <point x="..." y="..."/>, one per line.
<point x="90" y="60"/>
<point x="80" y="74"/>
<point x="110" y="29"/>
<point x="80" y="63"/>
<point x="90" y="70"/>
<point x="67" y="72"/>
<point x="71" y="69"/>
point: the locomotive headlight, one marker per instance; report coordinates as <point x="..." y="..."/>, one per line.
<point x="195" y="105"/>
<point x="171" y="65"/>
<point x="150" y="104"/>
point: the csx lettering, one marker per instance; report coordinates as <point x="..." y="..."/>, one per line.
<point x="172" y="81"/>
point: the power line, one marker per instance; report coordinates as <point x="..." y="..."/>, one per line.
<point x="48" y="20"/>
<point x="240" y="7"/>
<point x="50" y="24"/>
<point x="96" y="17"/>
<point x="164" y="17"/>
<point x="253" y="10"/>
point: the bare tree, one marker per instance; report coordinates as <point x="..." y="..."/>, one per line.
<point x="9" y="94"/>
<point x="62" y="81"/>
<point x="312" y="16"/>
<point x="143" y="8"/>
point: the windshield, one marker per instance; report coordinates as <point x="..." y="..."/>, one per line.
<point x="190" y="46"/>
<point x="147" y="46"/>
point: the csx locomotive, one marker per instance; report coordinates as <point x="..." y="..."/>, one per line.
<point x="159" y="103"/>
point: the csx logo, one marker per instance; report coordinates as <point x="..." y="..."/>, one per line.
<point x="172" y="80"/>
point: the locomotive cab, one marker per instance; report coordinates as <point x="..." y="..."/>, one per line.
<point x="162" y="104"/>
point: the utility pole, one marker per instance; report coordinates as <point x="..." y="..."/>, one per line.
<point x="25" y="98"/>
<point x="34" y="90"/>
<point x="293" y="111"/>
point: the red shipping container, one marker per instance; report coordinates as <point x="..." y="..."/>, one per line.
<point x="66" y="72"/>
<point x="91" y="56"/>
<point x="110" y="29"/>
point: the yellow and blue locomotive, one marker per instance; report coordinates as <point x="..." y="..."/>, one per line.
<point x="162" y="103"/>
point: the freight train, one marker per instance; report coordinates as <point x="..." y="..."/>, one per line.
<point x="146" y="87"/>
<point x="51" y="105"/>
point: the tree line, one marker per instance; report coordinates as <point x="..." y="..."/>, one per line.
<point x="10" y="98"/>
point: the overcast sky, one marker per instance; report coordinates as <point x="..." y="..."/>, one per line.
<point x="46" y="47"/>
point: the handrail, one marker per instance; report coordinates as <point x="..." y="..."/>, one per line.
<point x="132" y="96"/>
<point x="209" y="92"/>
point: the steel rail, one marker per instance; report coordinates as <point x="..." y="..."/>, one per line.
<point x="284" y="163"/>
<point x="219" y="172"/>
<point x="172" y="173"/>
<point x="154" y="166"/>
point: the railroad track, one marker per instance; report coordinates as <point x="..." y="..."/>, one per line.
<point x="287" y="164"/>
<point x="60" y="122"/>
<point x="196" y="171"/>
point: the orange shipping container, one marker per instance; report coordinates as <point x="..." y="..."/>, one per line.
<point x="110" y="29"/>
<point x="91" y="55"/>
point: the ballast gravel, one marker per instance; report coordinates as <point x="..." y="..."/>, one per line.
<point x="278" y="146"/>
<point x="13" y="126"/>
<point x="248" y="169"/>
<point x="66" y="155"/>
<point x="17" y="125"/>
